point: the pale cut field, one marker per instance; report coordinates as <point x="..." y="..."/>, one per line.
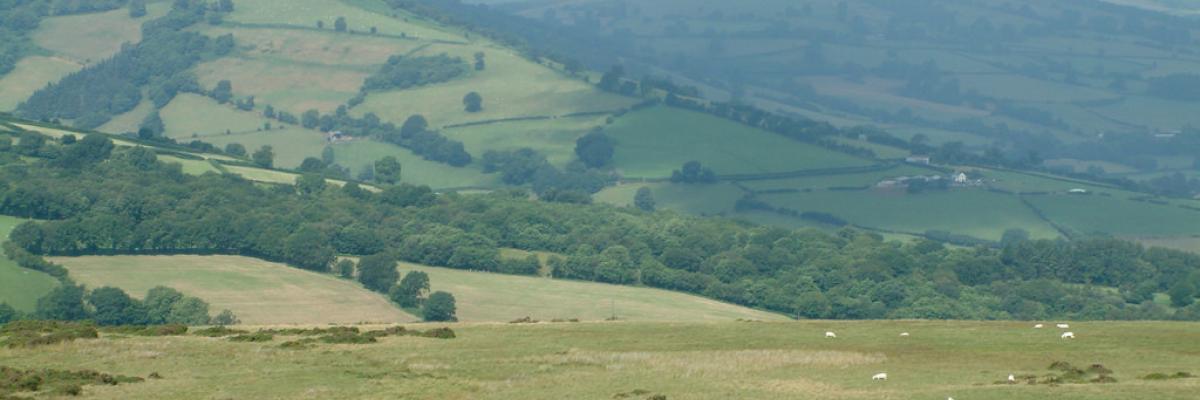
<point x="191" y="116"/>
<point x="31" y="74"/>
<point x="315" y="47"/>
<point x="287" y="86"/>
<point x="130" y="121"/>
<point x="360" y="16"/>
<point x="497" y="297"/>
<point x="693" y="361"/>
<point x="511" y="87"/>
<point x="259" y="292"/>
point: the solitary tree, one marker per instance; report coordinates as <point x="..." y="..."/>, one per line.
<point x="440" y="307"/>
<point x="327" y="155"/>
<point x="159" y="301"/>
<point x="235" y="149"/>
<point x="320" y="24"/>
<point x="345" y="267"/>
<point x="411" y="289"/>
<point x="264" y="157"/>
<point x="226" y="5"/>
<point x="413" y="125"/>
<point x="644" y="199"/>
<point x="223" y="92"/>
<point x="387" y="170"/>
<point x="312" y="164"/>
<point x="595" y="149"/>
<point x="480" y="63"/>
<point x="1182" y="294"/>
<point x="473" y="102"/>
<point x="137" y="8"/>
<point x="340" y="24"/>
<point x="377" y="272"/>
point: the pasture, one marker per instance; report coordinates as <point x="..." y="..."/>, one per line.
<point x="20" y="287"/>
<point x="191" y="116"/>
<point x="360" y="16"/>
<point x="357" y="154"/>
<point x="974" y="212"/>
<point x="91" y="38"/>
<point x="259" y="292"/>
<point x="637" y="360"/>
<point x="693" y="199"/>
<point x="32" y="73"/>
<point x="486" y="297"/>
<point x="1089" y="215"/>
<point x="650" y="143"/>
<point x="554" y="138"/>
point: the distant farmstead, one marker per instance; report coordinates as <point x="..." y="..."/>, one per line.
<point x="336" y="136"/>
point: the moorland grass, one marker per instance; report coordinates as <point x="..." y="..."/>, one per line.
<point x="721" y="360"/>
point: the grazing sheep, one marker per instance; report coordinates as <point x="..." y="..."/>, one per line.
<point x="1068" y="335"/>
<point x="905" y="334"/>
<point x="1063" y="326"/>
<point x="1012" y="379"/>
<point x="1039" y="326"/>
<point x="882" y="376"/>
<point x="830" y="335"/>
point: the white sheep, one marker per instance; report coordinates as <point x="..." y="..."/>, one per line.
<point x="882" y="376"/>
<point x="904" y="334"/>
<point x="1068" y="335"/>
<point x="1012" y="379"/>
<point x="830" y="335"/>
<point x="1063" y="326"/>
<point x="1039" y="326"/>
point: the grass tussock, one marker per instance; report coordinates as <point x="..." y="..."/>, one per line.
<point x="42" y="333"/>
<point x="1159" y="376"/>
<point x="54" y="382"/>
<point x="218" y="331"/>
<point x="151" y="330"/>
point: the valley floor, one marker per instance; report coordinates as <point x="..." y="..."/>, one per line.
<point x="633" y="360"/>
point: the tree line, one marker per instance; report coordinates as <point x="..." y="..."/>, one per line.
<point x="137" y="205"/>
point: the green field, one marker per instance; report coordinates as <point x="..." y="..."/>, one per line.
<point x="974" y="212"/>
<point x="357" y="154"/>
<point x="651" y="143"/>
<point x="838" y="180"/>
<point x="192" y="116"/>
<point x="259" y="292"/>
<point x="20" y="287"/>
<point x="554" y="139"/>
<point x="500" y="298"/>
<point x="694" y="199"/>
<point x="727" y="360"/>
<point x="32" y="73"/>
<point x="1116" y="216"/>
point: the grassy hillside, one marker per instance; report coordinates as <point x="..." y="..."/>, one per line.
<point x="259" y="292"/>
<point x="677" y="360"/>
<point x="20" y="287"/>
<point x="650" y="143"/>
<point x="495" y="297"/>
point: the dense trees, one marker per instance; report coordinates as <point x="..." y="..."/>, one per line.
<point x="146" y="207"/>
<point x="440" y="307"/>
<point x="235" y="149"/>
<point x="402" y="72"/>
<point x="473" y="102"/>
<point x="414" y="134"/>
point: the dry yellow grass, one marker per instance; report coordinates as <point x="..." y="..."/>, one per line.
<point x="259" y="292"/>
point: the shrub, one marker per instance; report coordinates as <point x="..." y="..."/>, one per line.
<point x="256" y="337"/>
<point x="218" y="331"/>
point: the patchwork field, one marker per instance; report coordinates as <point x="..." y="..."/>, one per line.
<point x="650" y="143"/>
<point x="500" y="298"/>
<point x="259" y="292"/>
<point x="90" y="38"/>
<point x="693" y="199"/>
<point x="553" y="138"/>
<point x="357" y="154"/>
<point x="963" y="360"/>
<point x="20" y="287"/>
